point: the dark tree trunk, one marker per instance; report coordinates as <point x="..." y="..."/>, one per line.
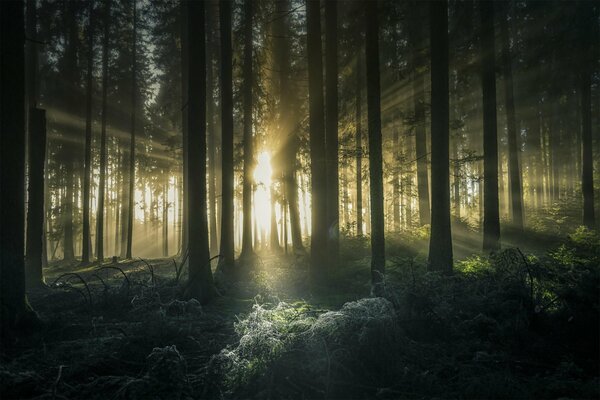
<point x="35" y="198"/>
<point x="331" y="131"/>
<point x="86" y="241"/>
<point x="248" y="139"/>
<point x="418" y="84"/>
<point x="227" y="246"/>
<point x="200" y="285"/>
<point x="587" y="160"/>
<point x="102" y="178"/>
<point x="165" y="218"/>
<point x="375" y="151"/>
<point x="131" y="191"/>
<point x="440" y="243"/>
<point x="212" y="135"/>
<point x="358" y="144"/>
<point x="318" y="238"/>
<point x="516" y="199"/>
<point x="184" y="128"/>
<point x="12" y="167"/>
<point x="67" y="206"/>
<point x="491" y="217"/>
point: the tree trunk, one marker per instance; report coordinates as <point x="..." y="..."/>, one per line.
<point x="35" y="199"/>
<point x="440" y="244"/>
<point x="102" y="178"/>
<point x="375" y="151"/>
<point x="86" y="240"/>
<point x="418" y="85"/>
<point x="12" y="168"/>
<point x="248" y="139"/>
<point x="358" y="143"/>
<point x="212" y="133"/>
<point x="516" y="199"/>
<point x="491" y="217"/>
<point x="200" y="285"/>
<point x="165" y="218"/>
<point x="227" y="245"/>
<point x="331" y="131"/>
<point x="184" y="129"/>
<point x="318" y="238"/>
<point x="131" y="194"/>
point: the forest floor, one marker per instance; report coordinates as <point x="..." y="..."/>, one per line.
<point x="506" y="326"/>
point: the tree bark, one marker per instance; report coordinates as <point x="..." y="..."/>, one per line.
<point x="35" y="199"/>
<point x="102" y="178"/>
<point x="318" y="238"/>
<point x="375" y="152"/>
<point x="85" y="244"/>
<point x="491" y="217"/>
<point x="227" y="261"/>
<point x="440" y="242"/>
<point x="212" y="135"/>
<point x="200" y="284"/>
<point x="248" y="139"/>
<point x="358" y="144"/>
<point x="131" y="194"/>
<point x="331" y="131"/>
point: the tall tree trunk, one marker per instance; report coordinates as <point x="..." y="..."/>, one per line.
<point x="587" y="173"/>
<point x="227" y="232"/>
<point x="516" y="199"/>
<point x="85" y="244"/>
<point x="440" y="244"/>
<point x="200" y="285"/>
<point x="331" y="131"/>
<point x="165" y="218"/>
<point x="418" y="84"/>
<point x="491" y="218"/>
<point x="103" y="155"/>
<point x="35" y="199"/>
<point x="358" y="144"/>
<point x="131" y="194"/>
<point x="12" y="168"/>
<point x="184" y="128"/>
<point x="248" y="139"/>
<point x="396" y="196"/>
<point x="318" y="238"/>
<point x="212" y="134"/>
<point x="67" y="206"/>
<point x="375" y="151"/>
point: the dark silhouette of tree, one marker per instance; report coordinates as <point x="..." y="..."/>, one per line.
<point x="86" y="240"/>
<point x="358" y="144"/>
<point x="227" y="247"/>
<point x="418" y="85"/>
<point x="375" y="152"/>
<point x="514" y="172"/>
<point x="318" y="239"/>
<point x="184" y="130"/>
<point x="134" y="94"/>
<point x="103" y="150"/>
<point x="200" y="285"/>
<point x="331" y="130"/>
<point x="587" y="37"/>
<point x="211" y="54"/>
<point x="12" y="167"/>
<point x="248" y="139"/>
<point x="491" y="217"/>
<point x="440" y="242"/>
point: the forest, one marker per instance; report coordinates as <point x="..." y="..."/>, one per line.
<point x="299" y="199"/>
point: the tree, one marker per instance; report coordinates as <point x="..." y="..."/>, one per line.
<point x="331" y="130"/>
<point x="418" y="84"/>
<point x="212" y="134"/>
<point x="200" y="285"/>
<point x="102" y="178"/>
<point x="227" y="247"/>
<point x="358" y="145"/>
<point x="516" y="199"/>
<point x="86" y="241"/>
<point x="440" y="241"/>
<point x="316" y="106"/>
<point x="587" y="173"/>
<point x="131" y="190"/>
<point x="12" y="168"/>
<point x="491" y="217"/>
<point x="248" y="139"/>
<point x="375" y="152"/>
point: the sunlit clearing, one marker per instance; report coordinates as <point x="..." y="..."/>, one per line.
<point x="262" y="195"/>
